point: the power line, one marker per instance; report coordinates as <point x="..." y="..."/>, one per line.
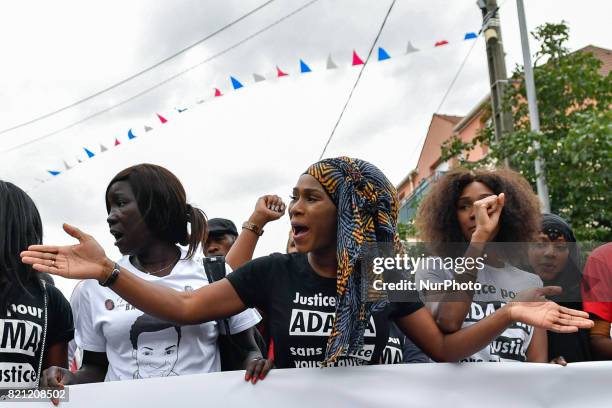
<point x="356" y="81"/>
<point x="80" y="101"/>
<point x="485" y="20"/>
<point x="450" y="87"/>
<point x="165" y="81"/>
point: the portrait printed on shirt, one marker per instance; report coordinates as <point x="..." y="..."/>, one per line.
<point x="155" y="345"/>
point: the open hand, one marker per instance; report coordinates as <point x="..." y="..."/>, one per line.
<point x="85" y="260"/>
<point x="550" y="316"/>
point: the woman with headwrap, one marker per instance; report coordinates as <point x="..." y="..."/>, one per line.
<point x="556" y="259"/>
<point x="316" y="300"/>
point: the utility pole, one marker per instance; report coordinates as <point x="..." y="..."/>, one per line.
<point x="498" y="77"/>
<point x="534" y="117"/>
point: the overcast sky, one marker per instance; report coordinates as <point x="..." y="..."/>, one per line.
<point x="257" y="140"/>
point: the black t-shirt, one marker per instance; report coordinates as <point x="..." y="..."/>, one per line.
<point x="21" y="333"/>
<point x="400" y="349"/>
<point x="574" y="347"/>
<point x="300" y="309"/>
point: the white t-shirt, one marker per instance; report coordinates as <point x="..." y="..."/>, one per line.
<point x="140" y="346"/>
<point x="499" y="286"/>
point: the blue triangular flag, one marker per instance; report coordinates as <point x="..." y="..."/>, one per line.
<point x="304" y="68"/>
<point x="236" y="83"/>
<point x="382" y="54"/>
<point x="89" y="153"/>
<point x="470" y="36"/>
<point x="54" y="172"/>
<point x="131" y="135"/>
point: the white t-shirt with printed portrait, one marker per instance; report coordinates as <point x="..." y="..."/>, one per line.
<point x="141" y="346"/>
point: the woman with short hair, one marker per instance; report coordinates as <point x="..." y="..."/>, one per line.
<point x="150" y="219"/>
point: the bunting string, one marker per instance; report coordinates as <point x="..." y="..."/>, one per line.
<point x="137" y="74"/>
<point x="235" y="84"/>
<point x="165" y="81"/>
<point x="382" y="55"/>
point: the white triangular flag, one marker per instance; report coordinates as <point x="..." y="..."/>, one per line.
<point x="411" y="48"/>
<point x="330" y="63"/>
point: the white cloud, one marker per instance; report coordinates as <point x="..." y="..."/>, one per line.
<point x="254" y="141"/>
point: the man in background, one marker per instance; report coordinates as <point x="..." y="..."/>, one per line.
<point x="222" y="234"/>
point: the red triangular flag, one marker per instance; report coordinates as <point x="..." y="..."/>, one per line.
<point x="356" y="59"/>
<point x="440" y="43"/>
<point x="117" y="142"/>
<point x="161" y="118"/>
<point x="280" y="73"/>
<point x="218" y="92"/>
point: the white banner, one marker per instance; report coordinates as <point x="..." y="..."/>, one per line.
<point x="422" y="385"/>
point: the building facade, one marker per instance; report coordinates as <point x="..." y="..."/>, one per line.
<point x="442" y="128"/>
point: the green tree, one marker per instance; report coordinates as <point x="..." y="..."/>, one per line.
<point x="574" y="102"/>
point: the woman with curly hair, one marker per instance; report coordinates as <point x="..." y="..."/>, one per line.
<point x="314" y="300"/>
<point x="463" y="215"/>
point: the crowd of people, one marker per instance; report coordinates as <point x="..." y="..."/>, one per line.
<point x="186" y="296"/>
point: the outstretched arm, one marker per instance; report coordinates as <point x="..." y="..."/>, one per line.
<point x="422" y="329"/>
<point x="87" y="260"/>
<point x="210" y="302"/>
